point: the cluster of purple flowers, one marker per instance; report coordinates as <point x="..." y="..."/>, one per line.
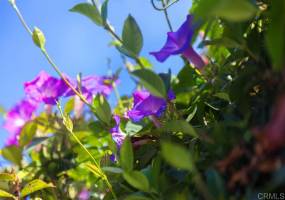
<point x="47" y="89"/>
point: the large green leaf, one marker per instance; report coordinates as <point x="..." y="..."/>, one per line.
<point x="176" y="155"/>
<point x="234" y="10"/>
<point x="6" y="194"/>
<point x="137" y="179"/>
<point x="89" y="11"/>
<point x="179" y="126"/>
<point x="127" y="155"/>
<point x="132" y="36"/>
<point x="275" y="34"/>
<point x="27" y="133"/>
<point x="151" y="81"/>
<point x="34" y="186"/>
<point x="102" y="109"/>
<point x="13" y="154"/>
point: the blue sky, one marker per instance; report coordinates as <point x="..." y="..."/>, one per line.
<point x="75" y="43"/>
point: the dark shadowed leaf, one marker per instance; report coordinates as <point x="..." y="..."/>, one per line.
<point x="275" y="34"/>
<point x="215" y="184"/>
<point x="137" y="197"/>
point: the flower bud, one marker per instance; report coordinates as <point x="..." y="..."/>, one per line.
<point x="39" y="38"/>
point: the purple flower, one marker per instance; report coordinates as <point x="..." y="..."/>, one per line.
<point x="179" y="42"/>
<point x="92" y="85"/>
<point x="146" y="104"/>
<point x="84" y="194"/>
<point x="16" y="118"/>
<point x="117" y="135"/>
<point x="45" y="88"/>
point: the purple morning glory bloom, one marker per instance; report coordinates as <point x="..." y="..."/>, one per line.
<point x="179" y="42"/>
<point x="16" y="118"/>
<point x="146" y="104"/>
<point x="92" y="85"/>
<point x="117" y="135"/>
<point x="45" y="88"/>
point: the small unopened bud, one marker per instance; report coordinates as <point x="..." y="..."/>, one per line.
<point x="13" y="2"/>
<point x="39" y="38"/>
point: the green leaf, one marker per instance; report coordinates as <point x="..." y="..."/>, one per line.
<point x="39" y="38"/>
<point x="34" y="186"/>
<point x="192" y="114"/>
<point x="132" y="128"/>
<point x="13" y="154"/>
<point x="176" y="155"/>
<point x="104" y="11"/>
<point x="27" y="133"/>
<point x="137" y="179"/>
<point x="234" y="10"/>
<point x="7" y="177"/>
<point x="151" y="81"/>
<point x="132" y="36"/>
<point x="6" y="194"/>
<point x="215" y="184"/>
<point x="225" y="41"/>
<point x="102" y="109"/>
<point x="223" y="96"/>
<point x="275" y="39"/>
<point x="114" y="170"/>
<point x="127" y="155"/>
<point x="137" y="197"/>
<point x="69" y="106"/>
<point x="179" y="126"/>
<point x="89" y="11"/>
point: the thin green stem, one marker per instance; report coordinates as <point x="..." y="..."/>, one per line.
<point x="98" y="168"/>
<point x="20" y="16"/>
<point x="64" y="78"/>
<point x="117" y="94"/>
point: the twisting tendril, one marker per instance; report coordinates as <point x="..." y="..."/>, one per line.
<point x="164" y="7"/>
